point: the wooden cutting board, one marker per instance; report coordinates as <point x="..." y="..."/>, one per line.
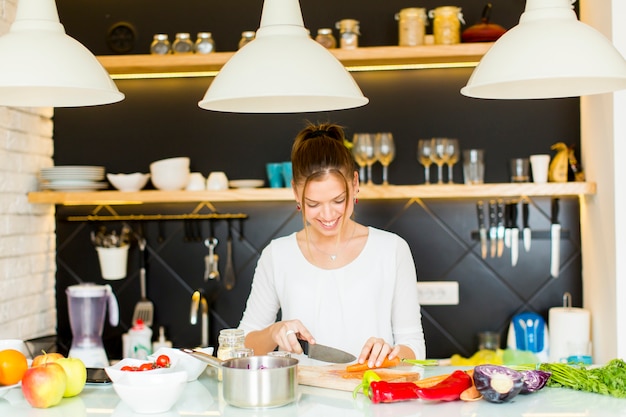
<point x="336" y="377"/>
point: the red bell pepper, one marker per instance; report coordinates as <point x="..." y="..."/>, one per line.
<point x="449" y="389"/>
<point x="389" y="392"/>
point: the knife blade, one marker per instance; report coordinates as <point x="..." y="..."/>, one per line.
<point x="507" y="225"/>
<point x="555" y="238"/>
<point x="500" y="217"/>
<point x="514" y="235"/>
<point x="493" y="228"/>
<point x="482" y="229"/>
<point x="526" y="233"/>
<point x="326" y="353"/>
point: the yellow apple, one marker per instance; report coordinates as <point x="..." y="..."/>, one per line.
<point x="43" y="385"/>
<point x="76" y="373"/>
<point x="45" y="358"/>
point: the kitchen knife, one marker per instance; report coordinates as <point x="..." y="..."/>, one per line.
<point x="514" y="234"/>
<point x="507" y="225"/>
<point x="555" y="238"/>
<point x="500" y="217"/>
<point x="326" y="353"/>
<point x="493" y="227"/>
<point x="482" y="229"/>
<point x="526" y="233"/>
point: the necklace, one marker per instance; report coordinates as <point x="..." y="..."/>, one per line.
<point x="339" y="250"/>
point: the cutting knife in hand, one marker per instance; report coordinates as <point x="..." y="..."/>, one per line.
<point x="555" y="239"/>
<point x="500" y="220"/>
<point x="526" y="233"/>
<point x="482" y="229"/>
<point x="493" y="228"/>
<point x="326" y="353"/>
<point x="514" y="234"/>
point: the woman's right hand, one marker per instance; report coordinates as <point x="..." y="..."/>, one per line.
<point x="287" y="333"/>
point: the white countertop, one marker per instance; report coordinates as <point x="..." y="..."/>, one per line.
<point x="203" y="398"/>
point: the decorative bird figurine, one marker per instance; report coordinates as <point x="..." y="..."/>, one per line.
<point x="558" y="166"/>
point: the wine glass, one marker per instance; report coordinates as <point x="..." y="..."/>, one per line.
<point x="363" y="146"/>
<point x="358" y="155"/>
<point x="385" y="151"/>
<point x="439" y="156"/>
<point x="452" y="149"/>
<point x="424" y="150"/>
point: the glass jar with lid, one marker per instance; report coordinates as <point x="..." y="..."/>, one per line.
<point x="229" y="342"/>
<point x="182" y="44"/>
<point x="349" y="31"/>
<point x="325" y="38"/>
<point x="447" y="24"/>
<point x="160" y="44"/>
<point x="411" y="26"/>
<point x="204" y="43"/>
<point x="246" y="37"/>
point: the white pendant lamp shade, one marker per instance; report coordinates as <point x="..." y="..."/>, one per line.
<point x="282" y="71"/>
<point x="550" y="54"/>
<point x="41" y="66"/>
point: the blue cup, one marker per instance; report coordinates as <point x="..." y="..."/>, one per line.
<point x="275" y="174"/>
<point x="287" y="173"/>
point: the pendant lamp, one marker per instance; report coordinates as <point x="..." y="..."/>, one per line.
<point x="282" y="70"/>
<point x="549" y="54"/>
<point x="41" y="66"/>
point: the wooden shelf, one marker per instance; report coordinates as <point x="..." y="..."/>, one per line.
<point x="377" y="192"/>
<point x="360" y="57"/>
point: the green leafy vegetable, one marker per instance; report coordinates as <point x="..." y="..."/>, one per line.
<point x="422" y="362"/>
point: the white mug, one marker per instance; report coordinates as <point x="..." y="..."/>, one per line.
<point x="539" y="166"/>
<point x="217" y="181"/>
<point x="196" y="182"/>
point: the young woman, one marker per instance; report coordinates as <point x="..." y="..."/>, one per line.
<point x="335" y="281"/>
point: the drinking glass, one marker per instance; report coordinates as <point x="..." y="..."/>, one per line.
<point x="452" y="149"/>
<point x="385" y="151"/>
<point x="424" y="150"/>
<point x="439" y="155"/>
<point x="363" y="146"/>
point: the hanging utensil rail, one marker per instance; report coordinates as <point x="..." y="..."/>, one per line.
<point x="152" y="217"/>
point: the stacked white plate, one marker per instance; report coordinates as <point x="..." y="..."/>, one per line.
<point x="72" y="178"/>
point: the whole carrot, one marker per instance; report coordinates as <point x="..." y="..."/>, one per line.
<point x="360" y="367"/>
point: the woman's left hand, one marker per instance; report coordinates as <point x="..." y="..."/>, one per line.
<point x="376" y="350"/>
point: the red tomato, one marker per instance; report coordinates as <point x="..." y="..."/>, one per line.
<point x="146" y="366"/>
<point x="127" y="368"/>
<point x="163" y="361"/>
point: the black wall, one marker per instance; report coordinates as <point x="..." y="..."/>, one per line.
<point x="160" y="118"/>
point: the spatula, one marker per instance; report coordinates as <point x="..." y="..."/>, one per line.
<point x="144" y="309"/>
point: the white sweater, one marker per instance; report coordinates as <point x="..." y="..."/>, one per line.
<point x="374" y="295"/>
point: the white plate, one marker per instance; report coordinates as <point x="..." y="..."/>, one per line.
<point x="74" y="187"/>
<point x="5" y="389"/>
<point x="246" y="183"/>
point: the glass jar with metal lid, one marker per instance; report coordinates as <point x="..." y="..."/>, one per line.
<point x="349" y="31"/>
<point x="204" y="43"/>
<point x="160" y="44"/>
<point x="411" y="26"/>
<point x="246" y="37"/>
<point x="182" y="44"/>
<point x="447" y="24"/>
<point x="325" y="38"/>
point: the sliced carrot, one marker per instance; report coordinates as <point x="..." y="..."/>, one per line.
<point x="434" y="380"/>
<point x="387" y="363"/>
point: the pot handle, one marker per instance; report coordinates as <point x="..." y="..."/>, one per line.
<point x="204" y="357"/>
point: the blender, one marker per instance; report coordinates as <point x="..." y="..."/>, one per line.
<point x="87" y="304"/>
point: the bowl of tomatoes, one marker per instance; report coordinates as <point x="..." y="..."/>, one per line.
<point x="183" y="361"/>
<point x="144" y="392"/>
<point x="131" y="368"/>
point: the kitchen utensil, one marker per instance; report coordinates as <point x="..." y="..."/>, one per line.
<point x="144" y="309"/>
<point x="128" y="182"/>
<point x="255" y="381"/>
<point x="211" y="261"/>
<point x="555" y="239"/>
<point x="493" y="228"/>
<point x="500" y="217"/>
<point x="151" y="394"/>
<point x="527" y="234"/>
<point x="473" y="166"/>
<point x="507" y="225"/>
<point x="326" y="353"/>
<point x="335" y="377"/>
<point x="514" y="235"/>
<point x="539" y="168"/>
<point x="229" y="272"/>
<point x="483" y="31"/>
<point x="199" y="303"/>
<point x="482" y="230"/>
<point x="170" y="174"/>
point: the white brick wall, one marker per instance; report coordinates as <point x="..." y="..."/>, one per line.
<point x="27" y="234"/>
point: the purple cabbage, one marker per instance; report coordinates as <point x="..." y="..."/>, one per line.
<point x="497" y="384"/>
<point x="534" y="380"/>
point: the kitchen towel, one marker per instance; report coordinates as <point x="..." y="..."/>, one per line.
<point x="569" y="329"/>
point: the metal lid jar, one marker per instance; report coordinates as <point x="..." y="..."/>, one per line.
<point x="349" y="33"/>
<point x="160" y="44"/>
<point x="182" y="44"/>
<point x="411" y="26"/>
<point x="325" y="38"/>
<point x="204" y="43"/>
<point x="447" y="24"/>
<point x="246" y="37"/>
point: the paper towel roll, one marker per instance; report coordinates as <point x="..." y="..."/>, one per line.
<point x="569" y="329"/>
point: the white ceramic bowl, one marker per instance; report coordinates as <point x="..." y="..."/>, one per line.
<point x="128" y="182"/>
<point x="184" y="361"/>
<point x="170" y="174"/>
<point x="115" y="372"/>
<point x="152" y="394"/>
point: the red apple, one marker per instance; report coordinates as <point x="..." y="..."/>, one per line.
<point x="46" y="357"/>
<point x="43" y="385"/>
<point x="76" y="373"/>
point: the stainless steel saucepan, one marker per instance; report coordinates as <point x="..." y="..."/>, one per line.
<point x="255" y="381"/>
